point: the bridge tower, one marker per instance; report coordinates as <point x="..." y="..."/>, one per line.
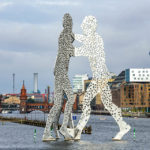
<point x="23" y="99"/>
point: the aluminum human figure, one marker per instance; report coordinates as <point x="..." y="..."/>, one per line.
<point x="62" y="84"/>
<point x="93" y="48"/>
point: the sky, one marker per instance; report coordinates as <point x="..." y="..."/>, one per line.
<point x="29" y="31"/>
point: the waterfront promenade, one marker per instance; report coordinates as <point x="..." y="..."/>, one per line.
<point x="17" y="136"/>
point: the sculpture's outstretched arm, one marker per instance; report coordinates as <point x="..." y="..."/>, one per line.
<point x="80" y="51"/>
<point x="79" y="37"/>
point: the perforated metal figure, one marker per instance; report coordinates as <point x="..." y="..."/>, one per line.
<point x="93" y="48"/>
<point x="62" y="84"/>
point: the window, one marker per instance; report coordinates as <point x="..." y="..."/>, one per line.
<point x="133" y="74"/>
<point x="129" y="95"/>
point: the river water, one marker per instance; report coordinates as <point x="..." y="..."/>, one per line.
<point x="17" y="136"/>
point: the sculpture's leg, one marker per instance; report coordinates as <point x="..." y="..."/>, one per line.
<point x="68" y="109"/>
<point x="56" y="123"/>
<point x="49" y="124"/>
<point x="71" y="126"/>
<point x="91" y="92"/>
<point x="52" y="116"/>
<point x="71" y="123"/>
<point x="115" y="111"/>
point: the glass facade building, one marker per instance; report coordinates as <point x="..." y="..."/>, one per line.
<point x="78" y="82"/>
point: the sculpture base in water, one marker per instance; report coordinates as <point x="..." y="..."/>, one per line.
<point x="48" y="139"/>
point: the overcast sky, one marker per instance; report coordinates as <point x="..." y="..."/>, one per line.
<point x="29" y="31"/>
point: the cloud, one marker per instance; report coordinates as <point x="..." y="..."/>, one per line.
<point x="58" y="3"/>
<point x="29" y="32"/>
<point x="5" y="4"/>
<point x="29" y="37"/>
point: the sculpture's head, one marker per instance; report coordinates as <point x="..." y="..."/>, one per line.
<point x="89" y="25"/>
<point x="67" y="21"/>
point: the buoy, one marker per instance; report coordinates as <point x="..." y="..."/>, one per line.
<point x="34" y="135"/>
<point x="134" y="134"/>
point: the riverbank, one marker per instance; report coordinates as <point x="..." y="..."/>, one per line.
<point x="124" y="114"/>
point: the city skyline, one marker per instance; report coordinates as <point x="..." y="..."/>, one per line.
<point x="30" y="30"/>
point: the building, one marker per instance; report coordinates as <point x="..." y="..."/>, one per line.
<point x="78" y="82"/>
<point x="23" y="99"/>
<point x="35" y="83"/>
<point x="28" y="102"/>
<point x="9" y="102"/>
<point x="135" y="96"/>
<point x="137" y="75"/>
<point x="36" y="101"/>
<point x="12" y="100"/>
<point x="131" y="90"/>
<point x="127" y="95"/>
